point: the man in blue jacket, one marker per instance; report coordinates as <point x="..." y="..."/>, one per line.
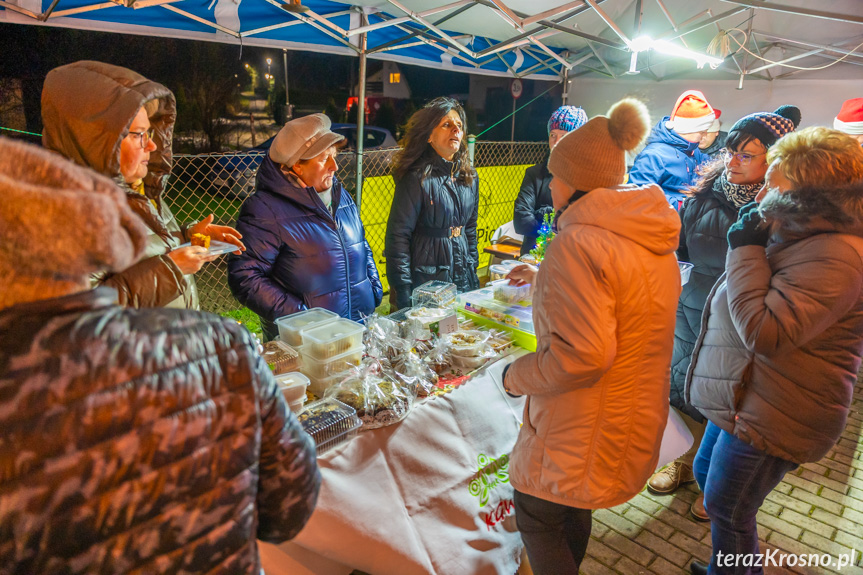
<point x="671" y="155"/>
<point x="306" y="244"/>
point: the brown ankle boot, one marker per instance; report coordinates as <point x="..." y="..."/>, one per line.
<point x="697" y="510"/>
<point x="670" y="478"/>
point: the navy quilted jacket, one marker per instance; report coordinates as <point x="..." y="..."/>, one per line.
<point x="299" y="256"/>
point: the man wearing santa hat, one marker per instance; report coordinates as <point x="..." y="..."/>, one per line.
<point x="671" y="155"/>
<point x="850" y="119"/>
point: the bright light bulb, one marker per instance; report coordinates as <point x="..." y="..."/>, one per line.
<point x="641" y="44"/>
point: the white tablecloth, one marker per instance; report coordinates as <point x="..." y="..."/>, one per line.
<point x="430" y="495"/>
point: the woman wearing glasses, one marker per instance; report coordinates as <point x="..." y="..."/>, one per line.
<point x="728" y="183"/>
<point x="120" y="124"/>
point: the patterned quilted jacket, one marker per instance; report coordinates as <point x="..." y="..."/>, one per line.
<point x="142" y="441"/>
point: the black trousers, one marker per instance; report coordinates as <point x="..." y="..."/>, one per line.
<point x="554" y="535"/>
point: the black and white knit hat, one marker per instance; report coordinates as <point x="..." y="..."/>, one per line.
<point x="769" y="127"/>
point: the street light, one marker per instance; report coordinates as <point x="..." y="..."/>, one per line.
<point x="269" y="61"/>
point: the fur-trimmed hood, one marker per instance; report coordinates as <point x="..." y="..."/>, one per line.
<point x="808" y="211"/>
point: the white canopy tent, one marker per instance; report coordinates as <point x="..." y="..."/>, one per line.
<point x="776" y="52"/>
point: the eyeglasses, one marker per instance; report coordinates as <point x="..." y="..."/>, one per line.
<point x="742" y="158"/>
<point x="145" y="137"/>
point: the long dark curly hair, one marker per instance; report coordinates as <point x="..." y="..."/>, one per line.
<point x="415" y="144"/>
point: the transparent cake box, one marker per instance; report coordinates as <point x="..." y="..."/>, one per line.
<point x="332" y="339"/>
<point x="330" y="423"/>
<point x="323" y="368"/>
<point x="291" y="327"/>
<point x="509" y="293"/>
<point x="434" y="294"/>
<point x="281" y="357"/>
<point x="293" y="386"/>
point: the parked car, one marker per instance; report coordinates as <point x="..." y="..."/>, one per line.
<point x="233" y="174"/>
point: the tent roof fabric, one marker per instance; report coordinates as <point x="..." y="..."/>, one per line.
<point x="537" y="39"/>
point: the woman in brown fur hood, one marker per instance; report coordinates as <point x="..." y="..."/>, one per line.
<point x="775" y="364"/>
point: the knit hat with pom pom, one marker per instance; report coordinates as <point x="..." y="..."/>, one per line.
<point x="594" y="156"/>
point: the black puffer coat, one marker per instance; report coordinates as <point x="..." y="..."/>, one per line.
<point x="532" y="203"/>
<point x="706" y="218"/>
<point x="426" y="206"/>
<point x="142" y="441"/>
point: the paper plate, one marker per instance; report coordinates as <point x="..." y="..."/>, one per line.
<point x="217" y="248"/>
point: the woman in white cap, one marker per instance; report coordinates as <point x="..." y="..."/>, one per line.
<point x="305" y="241"/>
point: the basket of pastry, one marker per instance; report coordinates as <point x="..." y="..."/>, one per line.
<point x="329" y="422"/>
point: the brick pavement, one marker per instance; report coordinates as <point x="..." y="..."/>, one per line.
<point x="817" y="509"/>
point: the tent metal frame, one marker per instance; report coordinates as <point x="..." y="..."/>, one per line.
<point x="530" y="34"/>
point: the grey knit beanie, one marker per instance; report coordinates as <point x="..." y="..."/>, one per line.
<point x="59" y="223"/>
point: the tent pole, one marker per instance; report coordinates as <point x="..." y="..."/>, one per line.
<point x="361" y="112"/>
<point x="565" y="95"/>
<point x="288" y="115"/>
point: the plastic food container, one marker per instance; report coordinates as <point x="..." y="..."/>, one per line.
<point x="468" y="363"/>
<point x="281" y="357"/>
<point x="434" y="293"/>
<point x="320" y="386"/>
<point x="434" y="319"/>
<point x="323" y="368"/>
<point x="685" y="271"/>
<point x="332" y="339"/>
<point x="293" y="386"/>
<point x="466" y="343"/>
<point x="291" y="327"/>
<point x="330" y="422"/>
<point x="498" y="271"/>
<point x="509" y="293"/>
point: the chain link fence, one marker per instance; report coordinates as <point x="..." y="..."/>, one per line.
<point x="218" y="183"/>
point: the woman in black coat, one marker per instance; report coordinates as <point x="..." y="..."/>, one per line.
<point x="431" y="231"/>
<point x="729" y="183"/>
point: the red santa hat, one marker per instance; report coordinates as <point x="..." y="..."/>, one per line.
<point x="850" y="118"/>
<point x="691" y="113"/>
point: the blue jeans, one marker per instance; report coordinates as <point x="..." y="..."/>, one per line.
<point x="735" y="478"/>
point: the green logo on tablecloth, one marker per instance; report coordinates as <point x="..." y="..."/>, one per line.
<point x="488" y="475"/>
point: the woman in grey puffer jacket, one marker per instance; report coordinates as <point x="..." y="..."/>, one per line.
<point x="776" y="362"/>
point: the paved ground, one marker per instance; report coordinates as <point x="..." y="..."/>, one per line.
<point x="816" y="510"/>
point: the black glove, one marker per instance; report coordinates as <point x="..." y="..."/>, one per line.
<point x="540" y="213"/>
<point x="750" y="229"/>
<point x="503" y="379"/>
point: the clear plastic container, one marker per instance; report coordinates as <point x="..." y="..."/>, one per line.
<point x="497" y="271"/>
<point x="323" y="368"/>
<point x="330" y="422"/>
<point x="434" y="293"/>
<point x="436" y="320"/>
<point x="509" y="293"/>
<point x="293" y="386"/>
<point x="281" y="357"/>
<point x="291" y="327"/>
<point x="685" y="271"/>
<point x="332" y="339"/>
<point x="466" y="343"/>
<point x="320" y="386"/>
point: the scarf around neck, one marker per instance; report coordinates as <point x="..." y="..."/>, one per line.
<point x="738" y="194"/>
